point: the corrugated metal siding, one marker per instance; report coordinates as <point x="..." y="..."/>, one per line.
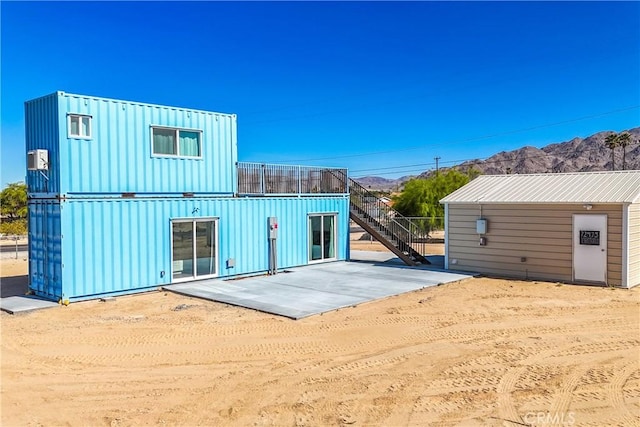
<point x="118" y="158"/>
<point x="541" y="234"/>
<point x="42" y="131"/>
<point x="586" y="187"/>
<point x="634" y="244"/>
<point x="118" y="245"/>
<point x="45" y="248"/>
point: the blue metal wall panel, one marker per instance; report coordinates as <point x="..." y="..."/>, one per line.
<point x="116" y="245"/>
<point x="118" y="157"/>
<point x="42" y="131"/>
<point x="45" y="248"/>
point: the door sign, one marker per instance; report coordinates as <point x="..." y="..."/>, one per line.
<point x="591" y="238"/>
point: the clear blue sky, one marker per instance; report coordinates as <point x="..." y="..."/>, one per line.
<point x="329" y="83"/>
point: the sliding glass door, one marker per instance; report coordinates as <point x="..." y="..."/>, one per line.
<point x="205" y="248"/>
<point x="194" y="249"/>
<point x="182" y="250"/>
<point x="322" y="237"/>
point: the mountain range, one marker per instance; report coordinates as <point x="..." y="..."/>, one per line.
<point x="576" y="155"/>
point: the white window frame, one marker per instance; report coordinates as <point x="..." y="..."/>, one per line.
<point x="195" y="276"/>
<point x="79" y="135"/>
<point x="177" y="142"/>
<point x="335" y="237"/>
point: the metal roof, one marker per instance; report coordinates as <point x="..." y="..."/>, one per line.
<point x="578" y="187"/>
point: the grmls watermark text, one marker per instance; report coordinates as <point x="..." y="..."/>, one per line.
<point x="548" y="418"/>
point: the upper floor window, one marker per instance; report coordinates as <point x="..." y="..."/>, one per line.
<point x="176" y="142"/>
<point x="79" y="126"/>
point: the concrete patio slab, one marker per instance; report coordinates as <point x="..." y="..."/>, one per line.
<point x="314" y="289"/>
<point x="25" y="303"/>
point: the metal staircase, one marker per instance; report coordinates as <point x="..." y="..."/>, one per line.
<point x="385" y="224"/>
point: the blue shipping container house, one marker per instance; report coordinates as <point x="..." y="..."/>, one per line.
<point x="125" y="196"/>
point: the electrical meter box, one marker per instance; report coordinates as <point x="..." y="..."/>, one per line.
<point x="38" y="160"/>
<point x="273" y="227"/>
<point x="481" y="226"/>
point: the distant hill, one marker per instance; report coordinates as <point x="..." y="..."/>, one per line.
<point x="378" y="183"/>
<point x="576" y="155"/>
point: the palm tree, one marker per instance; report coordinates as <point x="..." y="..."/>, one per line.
<point x="624" y="140"/>
<point x="611" y="142"/>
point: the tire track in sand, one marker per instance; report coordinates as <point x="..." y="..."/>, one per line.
<point x="615" y="393"/>
<point x="560" y="404"/>
<point x="506" y="408"/>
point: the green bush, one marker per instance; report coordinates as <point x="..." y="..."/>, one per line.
<point x="421" y="197"/>
<point x="18" y="227"/>
<point x="13" y="201"/>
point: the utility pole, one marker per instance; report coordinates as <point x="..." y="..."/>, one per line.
<point x="437" y="168"/>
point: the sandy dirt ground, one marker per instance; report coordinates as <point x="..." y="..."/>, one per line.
<point x="473" y="353"/>
<point x="13" y="267"/>
<point x="366" y="245"/>
<point x="361" y="241"/>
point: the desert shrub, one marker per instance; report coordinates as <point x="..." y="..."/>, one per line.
<point x="15" y="227"/>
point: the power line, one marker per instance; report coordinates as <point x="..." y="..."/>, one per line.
<point x="454" y="162"/>
<point x="395" y="167"/>
<point x="478" y="138"/>
<point x="459" y="162"/>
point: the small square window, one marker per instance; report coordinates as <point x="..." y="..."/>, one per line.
<point x="79" y="126"/>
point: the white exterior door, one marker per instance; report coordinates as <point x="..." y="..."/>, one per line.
<point x="590" y="248"/>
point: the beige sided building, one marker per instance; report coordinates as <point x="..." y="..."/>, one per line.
<point x="571" y="227"/>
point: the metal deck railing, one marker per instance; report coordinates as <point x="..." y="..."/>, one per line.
<point x="262" y="178"/>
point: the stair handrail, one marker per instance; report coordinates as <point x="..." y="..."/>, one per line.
<point x="387" y="220"/>
<point x="379" y="203"/>
<point x="390" y="215"/>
